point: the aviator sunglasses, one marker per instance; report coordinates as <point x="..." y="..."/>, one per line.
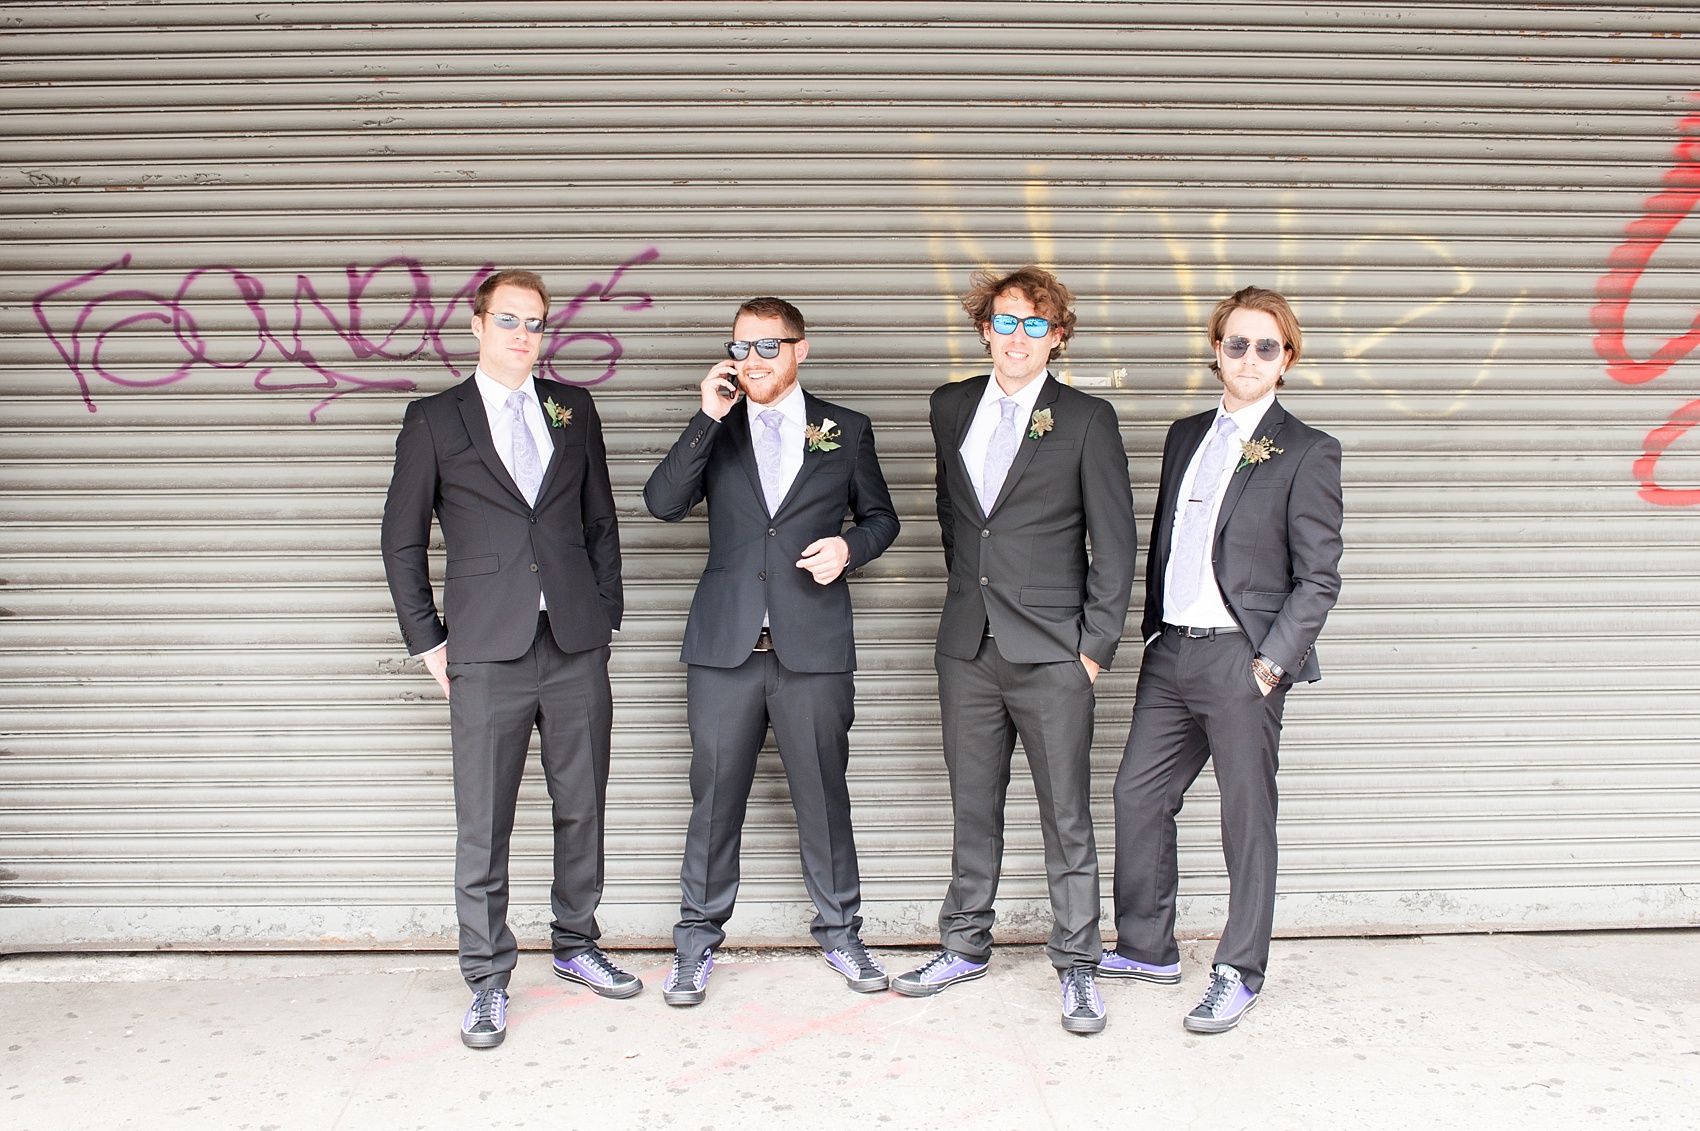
<point x="766" y="347"/>
<point x="1035" y="327"/>
<point x="509" y="321"/>
<point x="1267" y="348"/>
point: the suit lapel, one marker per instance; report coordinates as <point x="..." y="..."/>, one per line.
<point x="814" y="411"/>
<point x="1269" y="426"/>
<point x="737" y="425"/>
<point x="1029" y="444"/>
<point x="557" y="438"/>
<point x="477" y="422"/>
<point x="1189" y="435"/>
<point x="972" y="390"/>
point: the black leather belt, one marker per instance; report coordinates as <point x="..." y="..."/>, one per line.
<point x="1197" y="633"/>
<point x="764" y="642"/>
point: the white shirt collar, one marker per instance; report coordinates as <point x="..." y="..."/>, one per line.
<point x="1248" y="418"/>
<point x="1025" y="397"/>
<point x="496" y="394"/>
<point x="791" y="404"/>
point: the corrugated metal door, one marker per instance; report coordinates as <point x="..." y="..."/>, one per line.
<point x="239" y="237"/>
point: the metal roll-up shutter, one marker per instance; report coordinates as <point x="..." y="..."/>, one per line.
<point x="240" y="238"/>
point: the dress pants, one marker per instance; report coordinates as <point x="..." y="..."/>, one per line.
<point x="986" y="703"/>
<point x="1197" y="700"/>
<point x="492" y="710"/>
<point x="730" y="710"/>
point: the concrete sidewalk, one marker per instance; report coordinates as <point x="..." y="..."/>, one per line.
<point x="1597" y="1030"/>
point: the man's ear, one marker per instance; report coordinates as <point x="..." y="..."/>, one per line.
<point x="802" y="348"/>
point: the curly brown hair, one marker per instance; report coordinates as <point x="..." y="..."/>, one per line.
<point x="1045" y="291"/>
<point x="1271" y="303"/>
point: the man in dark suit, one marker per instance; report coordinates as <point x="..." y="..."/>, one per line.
<point x="769" y="640"/>
<point x="1244" y="566"/>
<point x="515" y="470"/>
<point x="1028" y="470"/>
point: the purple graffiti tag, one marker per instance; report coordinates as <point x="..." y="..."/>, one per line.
<point x="387" y="314"/>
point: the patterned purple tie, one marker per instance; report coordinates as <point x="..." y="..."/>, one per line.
<point x="1000" y="453"/>
<point x="528" y="465"/>
<point x="1192" y="531"/>
<point x="768" y="446"/>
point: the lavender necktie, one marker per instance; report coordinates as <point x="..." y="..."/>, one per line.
<point x="528" y="466"/>
<point x="768" y="445"/>
<point x="1000" y="453"/>
<point x="1193" y="529"/>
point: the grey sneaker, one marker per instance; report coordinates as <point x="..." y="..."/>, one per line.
<point x="1223" y="1004"/>
<point x="860" y="969"/>
<point x="941" y="971"/>
<point x="592" y="968"/>
<point x="1082" y="1006"/>
<point x="486" y="1022"/>
<point x="687" y="982"/>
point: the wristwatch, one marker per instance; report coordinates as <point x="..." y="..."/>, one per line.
<point x="1261" y="664"/>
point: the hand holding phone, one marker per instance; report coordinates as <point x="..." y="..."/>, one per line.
<point x="720" y="389"/>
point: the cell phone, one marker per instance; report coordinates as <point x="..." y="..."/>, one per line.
<point x="729" y="391"/>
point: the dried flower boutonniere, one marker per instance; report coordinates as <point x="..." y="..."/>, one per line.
<point x="821" y="436"/>
<point x="558" y="416"/>
<point x="1256" y="451"/>
<point x="1042" y="423"/>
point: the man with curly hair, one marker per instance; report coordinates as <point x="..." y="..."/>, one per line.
<point x="1029" y="471"/>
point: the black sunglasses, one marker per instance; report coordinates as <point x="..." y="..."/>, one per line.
<point x="1267" y="348"/>
<point x="767" y="347"/>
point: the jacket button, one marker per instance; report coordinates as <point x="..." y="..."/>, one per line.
<point x="983" y="580"/>
<point x="762" y="576"/>
<point x="772" y="533"/>
<point x="534" y="520"/>
<point x="534" y="570"/>
<point x="983" y="533"/>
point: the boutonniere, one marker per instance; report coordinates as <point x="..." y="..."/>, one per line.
<point x="821" y="436"/>
<point x="558" y="416"/>
<point x="1256" y="451"/>
<point x="1042" y="423"/>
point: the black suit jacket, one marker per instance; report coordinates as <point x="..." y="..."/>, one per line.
<point x="1276" y="553"/>
<point x="501" y="552"/>
<point x="1023" y="569"/>
<point x="752" y="558"/>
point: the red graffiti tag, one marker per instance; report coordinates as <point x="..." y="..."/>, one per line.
<point x="387" y="312"/>
<point x="1616" y="290"/>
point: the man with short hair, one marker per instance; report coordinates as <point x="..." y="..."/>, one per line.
<point x="515" y="470"/>
<point x="769" y="639"/>
<point x="1244" y="567"/>
<point x="1029" y="472"/>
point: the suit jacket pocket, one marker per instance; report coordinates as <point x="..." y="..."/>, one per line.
<point x="1066" y="598"/>
<point x="469" y="567"/>
<point x="1266" y="602"/>
<point x="1053" y="447"/>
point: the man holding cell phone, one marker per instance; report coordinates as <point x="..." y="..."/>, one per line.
<point x="769" y="638"/>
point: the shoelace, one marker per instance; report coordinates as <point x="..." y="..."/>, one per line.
<point x="485" y="1005"/>
<point x="684" y="973"/>
<point x="856" y="954"/>
<point x="1077" y="984"/>
<point x="1221" y="989"/>
<point x="938" y="962"/>
<point x="597" y="959"/>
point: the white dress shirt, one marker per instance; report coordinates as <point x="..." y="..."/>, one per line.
<point x="1208" y="610"/>
<point x="791" y="442"/>
<point x="986" y="418"/>
<point x="494" y="394"/>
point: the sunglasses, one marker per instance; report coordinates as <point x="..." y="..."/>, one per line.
<point x="509" y="321"/>
<point x="1267" y="348"/>
<point x="1035" y="327"/>
<point x="767" y="347"/>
